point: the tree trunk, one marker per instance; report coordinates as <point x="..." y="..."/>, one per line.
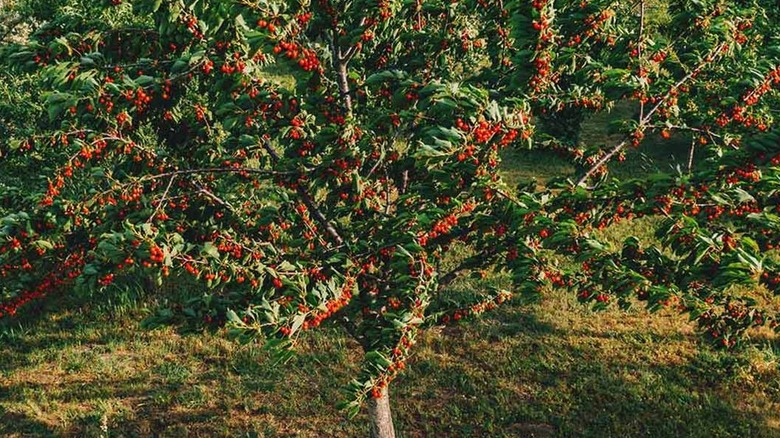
<point x="380" y="416"/>
<point x="346" y="93"/>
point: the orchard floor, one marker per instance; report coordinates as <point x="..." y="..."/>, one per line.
<point x="546" y="370"/>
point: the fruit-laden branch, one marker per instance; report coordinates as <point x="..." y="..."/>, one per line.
<point x="162" y="200"/>
<point x="306" y="198"/>
<point x="644" y="122"/>
<point x="472" y="310"/>
<point x="248" y="170"/>
<point x="703" y="131"/>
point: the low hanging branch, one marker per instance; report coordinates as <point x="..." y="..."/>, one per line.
<point x="467" y="264"/>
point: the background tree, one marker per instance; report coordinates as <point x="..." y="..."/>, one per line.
<point x="720" y="209"/>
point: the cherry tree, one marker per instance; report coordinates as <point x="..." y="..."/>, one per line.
<point x="172" y="149"/>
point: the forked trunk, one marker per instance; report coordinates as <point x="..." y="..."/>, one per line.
<point x="380" y="416"/>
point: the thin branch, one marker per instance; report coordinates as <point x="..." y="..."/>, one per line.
<point x="202" y="189"/>
<point x="469" y="263"/>
<point x="162" y="200"/>
<point x="176" y="173"/>
<point x="315" y="211"/>
<point x="387" y="194"/>
<point x="643" y="123"/>
<point x="342" y="79"/>
<point x="11" y="28"/>
<point x="270" y="149"/>
<point x="685" y="128"/>
<point x="639" y="51"/>
<point x="216" y="170"/>
<point x="508" y="196"/>
<point x="307" y="200"/>
<point x="690" y="155"/>
<point x="380" y="160"/>
<point x="349" y="54"/>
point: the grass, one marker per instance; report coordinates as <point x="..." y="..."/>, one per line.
<point x="551" y="369"/>
<point x="545" y="370"/>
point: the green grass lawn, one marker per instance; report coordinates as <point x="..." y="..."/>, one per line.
<point x="545" y="370"/>
<point x="552" y="369"/>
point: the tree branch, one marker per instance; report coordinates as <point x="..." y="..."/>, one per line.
<point x="340" y="65"/>
<point x="691" y="154"/>
<point x="639" y="51"/>
<point x="11" y="28"/>
<point x="349" y="54"/>
<point x="307" y="200"/>
<point x="209" y="194"/>
<point x="644" y="122"/>
<point x="469" y="263"/>
<point x="162" y="200"/>
<point x="685" y="128"/>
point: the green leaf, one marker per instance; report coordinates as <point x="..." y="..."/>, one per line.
<point x="233" y="318"/>
<point x="298" y="321"/>
<point x="209" y="249"/>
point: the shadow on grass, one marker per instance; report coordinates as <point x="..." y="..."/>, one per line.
<point x="553" y="380"/>
<point x="23" y="425"/>
<point x="542" y="371"/>
<point x="95" y="423"/>
<point x="67" y="371"/>
<point x="52" y="326"/>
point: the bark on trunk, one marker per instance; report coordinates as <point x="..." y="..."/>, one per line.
<point x="346" y="93"/>
<point x="380" y="416"/>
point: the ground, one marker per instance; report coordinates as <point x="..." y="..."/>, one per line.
<point x="545" y="370"/>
